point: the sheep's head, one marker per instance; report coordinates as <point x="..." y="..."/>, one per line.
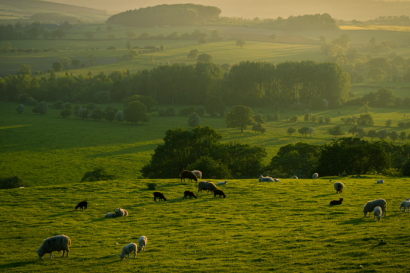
<point x="340" y="199"/>
<point x="139" y="249"/>
<point x="407" y="199"/>
<point x="121" y="256"/>
<point x="40" y="253"/>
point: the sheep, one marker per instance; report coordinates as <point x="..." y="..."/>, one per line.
<point x="380" y="181"/>
<point x="339" y="186"/>
<point x="197" y="173"/>
<point x="219" y="192"/>
<point x="159" y="195"/>
<point x="142" y="243"/>
<point x="109" y="215"/>
<point x="221" y="183"/>
<point x="190" y="194"/>
<point x="294" y="177"/>
<point x="188" y="174"/>
<point x="126" y="250"/>
<point x="120" y="212"/>
<point x="55" y="243"/>
<point x="265" y="178"/>
<point x="82" y="205"/>
<point x="405" y="205"/>
<point x="204" y="185"/>
<point x="276" y="180"/>
<point x="315" y="175"/>
<point x="336" y="202"/>
<point x="377" y="212"/>
<point x="369" y="206"/>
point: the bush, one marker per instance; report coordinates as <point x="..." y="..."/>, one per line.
<point x="119" y="116"/>
<point x="41" y="108"/>
<point x="291" y="130"/>
<point x="65" y="113"/>
<point x="259" y="118"/>
<point x="328" y="119"/>
<point x="388" y="122"/>
<point x="98" y="174"/>
<point x="336" y="131"/>
<point x="12" y="182"/>
<point x="186" y="111"/>
<point x="152" y="186"/>
<point x="313" y="118"/>
<point x="20" y="108"/>
<point x="294" y="118"/>
<point x="58" y="104"/>
<point x="193" y="120"/>
<point x="321" y="120"/>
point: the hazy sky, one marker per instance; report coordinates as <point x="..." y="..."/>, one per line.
<point x="341" y="9"/>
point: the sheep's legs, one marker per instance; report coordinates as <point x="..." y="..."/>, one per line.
<point x="67" y="253"/>
<point x="135" y="255"/>
<point x="64" y="253"/>
<point x="128" y="256"/>
<point x="51" y="255"/>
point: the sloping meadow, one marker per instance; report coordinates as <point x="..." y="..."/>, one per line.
<point x="285" y="226"/>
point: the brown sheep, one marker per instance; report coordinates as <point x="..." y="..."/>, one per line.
<point x="204" y="185"/>
<point x="219" y="192"/>
<point x="190" y="194"/>
<point x="188" y="174"/>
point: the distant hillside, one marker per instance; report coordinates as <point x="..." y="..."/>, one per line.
<point x="24" y="9"/>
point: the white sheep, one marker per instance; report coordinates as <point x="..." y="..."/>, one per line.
<point x="126" y="250"/>
<point x="221" y="183"/>
<point x="120" y="212"/>
<point x="55" y="243"/>
<point x="380" y="181"/>
<point x="339" y="186"/>
<point x="405" y="205"/>
<point x="377" y="212"/>
<point x="265" y="178"/>
<point x="142" y="243"/>
<point x="109" y="215"/>
<point x="198" y="174"/>
<point x="276" y="180"/>
<point x="369" y="206"/>
<point x="315" y="175"/>
<point x="294" y="177"/>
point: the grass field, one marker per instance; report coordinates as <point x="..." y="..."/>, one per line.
<point x="285" y="227"/>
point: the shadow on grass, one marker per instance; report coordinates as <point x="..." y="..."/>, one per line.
<point x="63" y="213"/>
<point x="132" y="150"/>
<point x="322" y="195"/>
<point x="17" y="264"/>
<point x="354" y="222"/>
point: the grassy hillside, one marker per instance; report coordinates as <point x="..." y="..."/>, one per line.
<point x="285" y="227"/>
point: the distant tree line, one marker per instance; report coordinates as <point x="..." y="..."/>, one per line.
<point x="247" y="83"/>
<point x="33" y="31"/>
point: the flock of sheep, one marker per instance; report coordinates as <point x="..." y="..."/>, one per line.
<point x="62" y="242"/>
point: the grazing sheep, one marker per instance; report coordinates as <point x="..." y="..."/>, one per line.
<point x="219" y="192"/>
<point x="204" y="185"/>
<point x="120" y="212"/>
<point x="126" y="250"/>
<point x="336" y="202"/>
<point x="265" y="178"/>
<point x="339" y="186"/>
<point x="315" y="175"/>
<point x="188" y="174"/>
<point x="405" y="205"/>
<point x="159" y="195"/>
<point x="369" y="207"/>
<point x="377" y="212"/>
<point x="380" y="181"/>
<point x="55" y="243"/>
<point x="109" y="215"/>
<point x="142" y="243"/>
<point x="276" y="180"/>
<point x="190" y="194"/>
<point x="82" y="205"/>
<point x="294" y="177"/>
<point x="221" y="183"/>
<point x="197" y="173"/>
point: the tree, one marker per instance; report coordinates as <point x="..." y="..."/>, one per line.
<point x="193" y="54"/>
<point x="365" y="108"/>
<point x="144" y="36"/>
<point x="215" y="106"/>
<point x="76" y="62"/>
<point x="135" y="111"/>
<point x="303" y="131"/>
<point x="132" y="54"/>
<point x="239" y="117"/>
<point x="203" y="41"/>
<point x="66" y="62"/>
<point x="131" y="34"/>
<point x="211" y="167"/>
<point x="388" y="122"/>
<point x="25" y="70"/>
<point x="258" y="127"/>
<point x="89" y="35"/>
<point x="148" y="101"/>
<point x="353" y="130"/>
<point x="402" y="136"/>
<point x="360" y="133"/>
<point x="41" y="108"/>
<point x="59" y="33"/>
<point x="204" y="58"/>
<point x="383" y="134"/>
<point x="291" y="130"/>
<point x="128" y="45"/>
<point x="193" y="119"/>
<point x="241" y="43"/>
<point x="394" y="136"/>
<point x="376" y="74"/>
<point x="162" y="47"/>
<point x="372" y="134"/>
<point x="65" y="113"/>
<point x="57" y="66"/>
<point x="259" y="118"/>
<point x="92" y="58"/>
<point x="119" y="116"/>
<point x="273" y="37"/>
<point x="20" y="108"/>
<point x="336" y="131"/>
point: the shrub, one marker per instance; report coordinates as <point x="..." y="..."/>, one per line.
<point x="291" y="130"/>
<point x="152" y="186"/>
<point x="388" y="122"/>
<point x="406" y="168"/>
<point x="306" y="117"/>
<point x="98" y="174"/>
<point x="186" y="111"/>
<point x="193" y="120"/>
<point x="328" y="119"/>
<point x="20" y="108"/>
<point x="313" y="118"/>
<point x="294" y="118"/>
<point x="259" y="118"/>
<point x="12" y="182"/>
<point x="321" y="120"/>
<point x="119" y="116"/>
<point x="58" y="104"/>
<point x="336" y="131"/>
<point x="41" y="108"/>
<point x="65" y="113"/>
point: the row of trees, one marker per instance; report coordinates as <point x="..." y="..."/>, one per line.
<point x="33" y="31"/>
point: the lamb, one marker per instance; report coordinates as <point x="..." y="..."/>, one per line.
<point x="120" y="212"/>
<point x="377" y="212"/>
<point x="197" y="173"/>
<point x="126" y="250"/>
<point x="219" y="192"/>
<point x="380" y="181"/>
<point x="204" y="185"/>
<point x="82" y="205"/>
<point x="405" y="205"/>
<point x="276" y="180"/>
<point x="159" y="195"/>
<point x="109" y="215"/>
<point x="142" y="243"/>
<point x="336" y="202"/>
<point x="339" y="186"/>
<point x="221" y="183"/>
<point x="369" y="207"/>
<point x="265" y="178"/>
<point x="56" y="243"/>
<point x="188" y="174"/>
<point x="315" y="175"/>
<point x="294" y="177"/>
<point x="190" y="194"/>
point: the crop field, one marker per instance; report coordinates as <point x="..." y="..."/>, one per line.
<point x="286" y="226"/>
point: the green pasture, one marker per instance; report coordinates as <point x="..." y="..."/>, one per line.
<point x="259" y="227"/>
<point x="49" y="150"/>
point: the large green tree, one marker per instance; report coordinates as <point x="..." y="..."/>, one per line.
<point x="239" y="116"/>
<point x="135" y="112"/>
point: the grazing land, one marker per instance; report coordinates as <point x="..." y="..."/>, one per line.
<point x="286" y="226"/>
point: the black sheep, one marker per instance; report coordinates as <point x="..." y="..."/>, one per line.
<point x="159" y="195"/>
<point x="336" y="202"/>
<point x="219" y="192"/>
<point x="82" y="205"/>
<point x="190" y="194"/>
<point x="188" y="174"/>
